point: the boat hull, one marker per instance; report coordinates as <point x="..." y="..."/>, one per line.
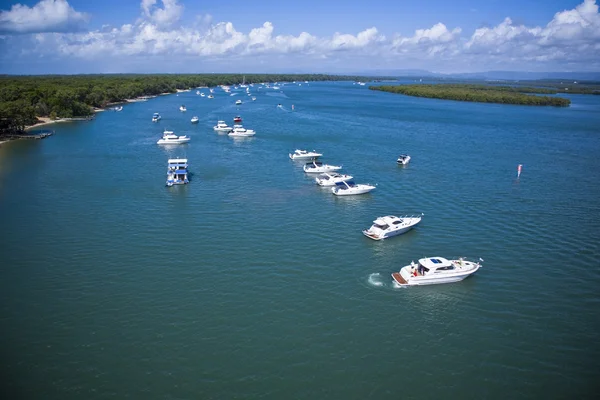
<point x="352" y="191"/>
<point x="174" y="141"/>
<point x="375" y="236"/>
<point x="321" y="169"/>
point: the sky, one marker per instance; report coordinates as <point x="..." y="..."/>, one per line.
<point x="304" y="36"/>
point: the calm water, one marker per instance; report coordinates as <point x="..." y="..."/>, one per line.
<point x="252" y="282"/>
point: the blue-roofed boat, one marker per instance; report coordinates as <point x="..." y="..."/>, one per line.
<point x="156" y="117"/>
<point x="177" y="171"/>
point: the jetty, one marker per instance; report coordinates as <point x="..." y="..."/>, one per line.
<point x="33" y="135"/>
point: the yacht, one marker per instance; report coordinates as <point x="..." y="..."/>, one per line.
<point x="390" y="225"/>
<point x="404" y="159"/>
<point x="120" y="108"/>
<point x="210" y="96"/>
<point x="238" y="102"/>
<point x="240" y="131"/>
<point x="221" y="126"/>
<point x="195" y="120"/>
<point x="331" y="178"/>
<point x="170" y="138"/>
<point x="434" y="270"/>
<point x="304" y="155"/>
<point x="316" y="167"/>
<point x="348" y="188"/>
<point x="182" y="108"/>
<point x="177" y="171"/>
<point x="156" y="117"/>
<point x="202" y="94"/>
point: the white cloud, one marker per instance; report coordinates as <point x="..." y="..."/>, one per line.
<point x="571" y="38"/>
<point x="164" y="17"/>
<point x="45" y="16"/>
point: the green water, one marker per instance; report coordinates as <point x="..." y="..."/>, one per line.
<point x="252" y="282"/>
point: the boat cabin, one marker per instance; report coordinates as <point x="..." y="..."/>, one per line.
<point x="345" y="184"/>
<point x="433" y="264"/>
<point x="177" y="172"/>
<point x="314" y="164"/>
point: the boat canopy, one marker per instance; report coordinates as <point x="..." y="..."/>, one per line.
<point x="179" y="171"/>
<point x="314" y="164"/>
<point x="434" y="262"/>
<point x="178" y="160"/>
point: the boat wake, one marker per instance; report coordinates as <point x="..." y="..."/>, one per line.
<point x="376" y="280"/>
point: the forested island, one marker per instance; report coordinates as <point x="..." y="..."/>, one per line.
<point x="479" y="93"/>
<point x="25" y="98"/>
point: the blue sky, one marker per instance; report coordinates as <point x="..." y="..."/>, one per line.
<point x="85" y="36"/>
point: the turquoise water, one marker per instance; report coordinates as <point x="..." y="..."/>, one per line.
<point x="252" y="282"/>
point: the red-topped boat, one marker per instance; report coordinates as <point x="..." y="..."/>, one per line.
<point x="237" y="119"/>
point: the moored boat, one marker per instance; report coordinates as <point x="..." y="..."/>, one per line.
<point x="156" y="117"/>
<point x="435" y="270"/>
<point x="171" y="138"/>
<point x="316" y="167"/>
<point x="390" y="225"/>
<point x="182" y="108"/>
<point x="348" y="188"/>
<point x="177" y="171"/>
<point x="331" y="178"/>
<point x="304" y="155"/>
<point x="237" y="119"/>
<point x="195" y="119"/>
<point x="221" y="126"/>
<point x="240" y="131"/>
<point x="404" y="159"/>
<point x="238" y="102"/>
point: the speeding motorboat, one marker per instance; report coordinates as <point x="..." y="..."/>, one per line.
<point x="304" y="155"/>
<point x="347" y="188"/>
<point x="177" y="173"/>
<point x="194" y="120"/>
<point x="240" y="131"/>
<point x="170" y="138"/>
<point x="156" y="117"/>
<point x="331" y="178"/>
<point x="390" y="225"/>
<point x="317" y="167"/>
<point x="222" y="127"/>
<point x="434" y="270"/>
<point x="182" y="108"/>
<point x="403" y="159"/>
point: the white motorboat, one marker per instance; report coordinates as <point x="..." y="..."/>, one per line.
<point x="177" y="171"/>
<point x="253" y="98"/>
<point x="197" y="92"/>
<point x="170" y="138"/>
<point x="194" y="120"/>
<point x="434" y="270"/>
<point x="331" y="178"/>
<point x="120" y="108"/>
<point x="238" y="102"/>
<point x="182" y="108"/>
<point x="304" y="155"/>
<point x="348" y="188"/>
<point x="202" y="94"/>
<point x="404" y="159"/>
<point x="221" y="126"/>
<point x="156" y="117"/>
<point x="390" y="225"/>
<point x="210" y="96"/>
<point x="317" y="167"/>
<point x="240" y="131"/>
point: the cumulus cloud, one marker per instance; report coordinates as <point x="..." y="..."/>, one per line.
<point x="571" y="37"/>
<point x="45" y="16"/>
<point x="165" y="16"/>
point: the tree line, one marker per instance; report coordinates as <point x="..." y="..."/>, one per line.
<point x="480" y="93"/>
<point x="24" y="98"/>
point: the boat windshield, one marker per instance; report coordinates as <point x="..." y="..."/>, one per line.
<point x="398" y="222"/>
<point x="382" y="227"/>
